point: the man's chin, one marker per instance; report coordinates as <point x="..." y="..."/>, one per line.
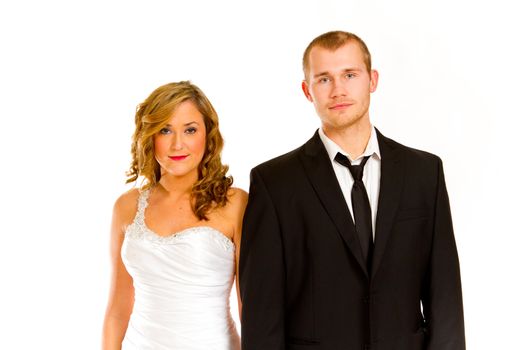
<point x="342" y="122"/>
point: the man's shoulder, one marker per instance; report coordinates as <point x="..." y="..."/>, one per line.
<point x="281" y="164"/>
<point x="410" y="153"/>
<point x="292" y="159"/>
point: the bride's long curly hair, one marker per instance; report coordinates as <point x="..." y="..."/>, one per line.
<point x="152" y="115"/>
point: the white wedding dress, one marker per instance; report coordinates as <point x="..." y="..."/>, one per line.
<point x="182" y="288"/>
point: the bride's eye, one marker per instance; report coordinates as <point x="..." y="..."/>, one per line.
<point x="164" y="131"/>
<point x="191" y="130"/>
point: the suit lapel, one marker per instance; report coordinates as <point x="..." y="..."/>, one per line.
<point x="391" y="184"/>
<point x="320" y="172"/>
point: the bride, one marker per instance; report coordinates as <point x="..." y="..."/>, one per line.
<point x="175" y="242"/>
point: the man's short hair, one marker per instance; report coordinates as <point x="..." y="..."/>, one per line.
<point x="333" y="41"/>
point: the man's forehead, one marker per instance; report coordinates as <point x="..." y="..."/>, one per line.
<point x="347" y="57"/>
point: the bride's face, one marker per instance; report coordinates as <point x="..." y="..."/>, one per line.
<point x="180" y="144"/>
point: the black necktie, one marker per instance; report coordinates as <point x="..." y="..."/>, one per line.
<point x="360" y="206"/>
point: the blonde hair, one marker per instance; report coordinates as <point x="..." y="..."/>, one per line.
<point x="152" y="115"/>
<point x="333" y="41"/>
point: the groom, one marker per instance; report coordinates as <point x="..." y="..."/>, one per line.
<point x="347" y="241"/>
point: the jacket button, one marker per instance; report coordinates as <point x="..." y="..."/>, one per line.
<point x="366" y="300"/>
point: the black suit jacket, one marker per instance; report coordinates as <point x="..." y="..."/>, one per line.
<point x="303" y="282"/>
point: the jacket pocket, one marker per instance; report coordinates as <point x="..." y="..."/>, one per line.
<point x="412" y="214"/>
<point x="302" y="341"/>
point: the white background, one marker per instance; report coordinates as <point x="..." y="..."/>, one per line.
<point x="72" y="72"/>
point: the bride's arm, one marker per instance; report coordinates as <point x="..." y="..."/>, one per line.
<point x="121" y="295"/>
<point x="239" y="201"/>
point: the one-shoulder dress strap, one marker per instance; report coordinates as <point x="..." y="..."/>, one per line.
<point x="141" y="207"/>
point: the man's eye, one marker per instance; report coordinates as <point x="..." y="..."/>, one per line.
<point x="350" y="75"/>
<point x="164" y="131"/>
<point x="323" y="80"/>
<point x="191" y="130"/>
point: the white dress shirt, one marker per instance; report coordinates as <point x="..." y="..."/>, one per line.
<point x="371" y="172"/>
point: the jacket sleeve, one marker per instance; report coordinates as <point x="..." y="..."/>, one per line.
<point x="442" y="300"/>
<point x="261" y="272"/>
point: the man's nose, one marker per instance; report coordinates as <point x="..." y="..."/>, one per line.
<point x="338" y="89"/>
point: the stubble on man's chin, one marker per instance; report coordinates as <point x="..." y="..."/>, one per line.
<point x="345" y="123"/>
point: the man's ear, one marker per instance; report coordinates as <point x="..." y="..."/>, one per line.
<point x="306" y="91"/>
<point x="374" y="77"/>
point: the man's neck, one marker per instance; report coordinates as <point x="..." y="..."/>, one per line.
<point x="353" y="140"/>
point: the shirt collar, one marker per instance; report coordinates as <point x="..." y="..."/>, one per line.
<point x="372" y="148"/>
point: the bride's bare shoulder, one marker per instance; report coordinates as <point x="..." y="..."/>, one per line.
<point x="126" y="206"/>
<point x="237" y="200"/>
<point x="237" y="196"/>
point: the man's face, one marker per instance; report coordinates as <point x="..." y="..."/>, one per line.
<point x="339" y="86"/>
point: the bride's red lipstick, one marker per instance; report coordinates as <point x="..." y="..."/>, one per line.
<point x="178" y="157"/>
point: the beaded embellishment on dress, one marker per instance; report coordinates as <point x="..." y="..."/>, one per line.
<point x="139" y="230"/>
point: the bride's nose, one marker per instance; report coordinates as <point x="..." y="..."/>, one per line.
<point x="176" y="142"/>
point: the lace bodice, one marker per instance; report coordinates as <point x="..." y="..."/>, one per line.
<point x="139" y="230"/>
